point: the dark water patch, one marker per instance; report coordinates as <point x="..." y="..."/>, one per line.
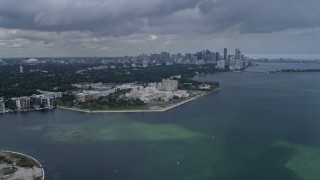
<point x="271" y="165"/>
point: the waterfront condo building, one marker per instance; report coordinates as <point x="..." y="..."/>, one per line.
<point x="2" y="106"/>
<point x="22" y="102"/>
<point x="225" y="54"/>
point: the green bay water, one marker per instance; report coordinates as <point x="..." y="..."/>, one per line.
<point x="258" y="126"/>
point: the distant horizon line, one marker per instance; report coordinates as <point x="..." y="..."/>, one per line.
<point x="249" y="55"/>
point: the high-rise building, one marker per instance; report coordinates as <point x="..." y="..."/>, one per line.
<point x="225" y="54"/>
<point x="199" y="55"/>
<point x="241" y="57"/>
<point x="22" y="102"/>
<point x="237" y="54"/>
<point x="155" y="57"/>
<point x="217" y="56"/>
<point x="206" y="56"/>
<point x="165" y="56"/>
<point x="213" y="56"/>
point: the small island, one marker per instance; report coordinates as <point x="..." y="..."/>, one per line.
<point x="15" y="166"/>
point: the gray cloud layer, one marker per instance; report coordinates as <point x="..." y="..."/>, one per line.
<point x="136" y="16"/>
<point x="46" y="21"/>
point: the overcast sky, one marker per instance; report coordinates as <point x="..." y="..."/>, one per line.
<point x="130" y="27"/>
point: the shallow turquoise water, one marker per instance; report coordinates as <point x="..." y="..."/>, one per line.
<point x="265" y="126"/>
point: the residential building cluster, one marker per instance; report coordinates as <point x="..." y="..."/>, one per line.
<point x="165" y="85"/>
<point x="43" y="100"/>
<point x="92" y="86"/>
<point x="86" y="96"/>
<point x="233" y="62"/>
<point x="162" y="91"/>
<point x="92" y="91"/>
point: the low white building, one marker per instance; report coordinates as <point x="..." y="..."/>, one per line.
<point x="177" y="76"/>
<point x="32" y="61"/>
<point x="204" y="86"/>
<point x="236" y="65"/>
<point x="181" y="94"/>
<point x="54" y="95"/>
<point x="169" y="85"/>
<point x="93" y="86"/>
<point x="156" y="91"/>
<point x="129" y="86"/>
<point x="148" y="94"/>
<point x="108" y="92"/>
<point x="47" y="101"/>
<point x="86" y="96"/>
<point x="165" y="85"/>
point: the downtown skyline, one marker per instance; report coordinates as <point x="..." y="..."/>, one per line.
<point x="271" y="29"/>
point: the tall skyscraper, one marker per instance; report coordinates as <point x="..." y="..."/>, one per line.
<point x="237" y="54"/>
<point x="217" y="56"/>
<point x="225" y="54"/>
<point x="213" y="57"/>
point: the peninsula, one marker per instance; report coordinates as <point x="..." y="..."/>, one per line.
<point x="147" y="107"/>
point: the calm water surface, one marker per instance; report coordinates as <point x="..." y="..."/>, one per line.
<point x="259" y="126"/>
<point x="274" y="66"/>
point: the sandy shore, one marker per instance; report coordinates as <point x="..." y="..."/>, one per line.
<point x="25" y="173"/>
<point x="139" y="111"/>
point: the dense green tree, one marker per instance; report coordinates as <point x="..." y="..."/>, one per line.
<point x="59" y="77"/>
<point x="10" y="104"/>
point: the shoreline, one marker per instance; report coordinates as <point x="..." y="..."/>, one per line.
<point x="21" y="154"/>
<point x="139" y="111"/>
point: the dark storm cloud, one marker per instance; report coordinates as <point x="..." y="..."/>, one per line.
<point x="108" y="17"/>
<point x="258" y="16"/>
<point x="68" y="27"/>
<point x="121" y="17"/>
